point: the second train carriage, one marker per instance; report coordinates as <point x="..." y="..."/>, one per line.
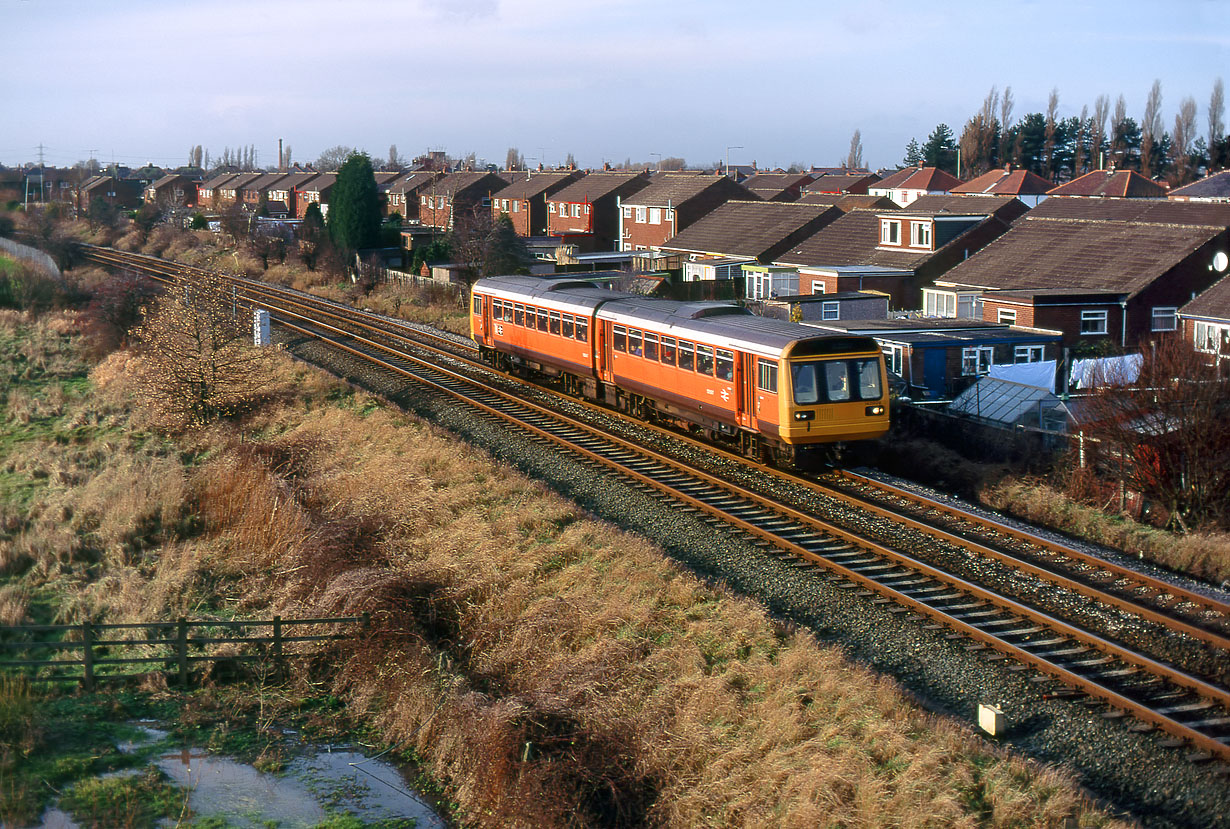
<point x="771" y="386"/>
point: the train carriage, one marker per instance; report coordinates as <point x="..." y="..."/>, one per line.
<point x="775" y="388"/>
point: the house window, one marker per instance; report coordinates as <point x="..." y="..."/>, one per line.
<point x="937" y="304"/>
<point x="829" y="311"/>
<point x="817" y="286"/>
<point x="976" y="360"/>
<point x="640" y="215"/>
<point x="1209" y="336"/>
<point x="890" y="232"/>
<point x="969" y="306"/>
<point x="1164" y="318"/>
<point x="1028" y="354"/>
<point x="551" y="208"/>
<point x="655" y="215"/>
<point x="766" y="379"/>
<point x="627" y="212"/>
<point x="669" y="215"/>
<point x="920" y="234"/>
<point x="1093" y="322"/>
<point x="1007" y="315"/>
<point x="516" y="207"/>
<point x="894" y="356"/>
<point x="576" y="211"/>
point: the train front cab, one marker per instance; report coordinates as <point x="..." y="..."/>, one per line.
<point x="833" y="389"/>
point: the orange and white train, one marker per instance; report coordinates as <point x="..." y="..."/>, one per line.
<point x="778" y="390"/>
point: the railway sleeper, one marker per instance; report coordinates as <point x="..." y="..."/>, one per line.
<point x="1045" y="643"/>
<point x="1213" y="722"/>
<point x="1055" y="654"/>
<point x="1202" y="705"/>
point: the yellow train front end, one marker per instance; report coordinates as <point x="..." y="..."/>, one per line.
<point x="836" y="392"/>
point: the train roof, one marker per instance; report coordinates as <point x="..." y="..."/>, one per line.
<point x="566" y="293"/>
<point x="728" y="324"/>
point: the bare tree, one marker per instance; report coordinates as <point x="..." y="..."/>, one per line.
<point x="1081" y="147"/>
<point x="1005" y="117"/>
<point x="1048" y="144"/>
<point x="1097" y="142"/>
<point x="854" y="160"/>
<point x="1151" y="128"/>
<point x="570" y="162"/>
<point x="1169" y="433"/>
<point x="286" y="156"/>
<point x="396" y="162"/>
<point x="1217" y="111"/>
<point x="514" y="160"/>
<point x="199" y="365"/>
<point x="333" y="158"/>
<point x="979" y="140"/>
<point x="1181" y="140"/>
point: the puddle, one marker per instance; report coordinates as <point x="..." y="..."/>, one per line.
<point x="312" y="787"/>
<point x="315" y="785"/>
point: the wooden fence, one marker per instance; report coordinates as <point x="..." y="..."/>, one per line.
<point x="175" y="646"/>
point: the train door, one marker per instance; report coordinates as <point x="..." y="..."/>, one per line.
<point x="479" y="318"/>
<point x="745" y="376"/>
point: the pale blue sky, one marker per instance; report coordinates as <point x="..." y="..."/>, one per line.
<point x="786" y="80"/>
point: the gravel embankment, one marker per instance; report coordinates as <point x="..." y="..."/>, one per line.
<point x="1131" y="771"/>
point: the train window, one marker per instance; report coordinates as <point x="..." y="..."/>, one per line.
<point x="668" y="350"/>
<point x="520" y="315"/>
<point x="725" y="365"/>
<point x="704" y="359"/>
<point x="554" y="317"/>
<point x="567" y="326"/>
<point x="634" y="342"/>
<point x="687" y="357"/>
<point x="497" y="309"/>
<point x="619" y="338"/>
<point x="651" y="346"/>
<point x="582" y="330"/>
<point x="837" y="380"/>
<point x="803" y="378"/>
<point x="868" y="378"/>
<point x="478" y="305"/>
<point x="767" y="377"/>
<point x="542" y="320"/>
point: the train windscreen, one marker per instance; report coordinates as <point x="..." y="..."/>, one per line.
<point x="835" y="381"/>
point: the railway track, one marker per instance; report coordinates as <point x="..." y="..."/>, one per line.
<point x="1195" y="709"/>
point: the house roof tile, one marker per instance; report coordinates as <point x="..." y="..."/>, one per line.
<point x="1004" y="182"/>
<point x="772" y="185"/>
<point x="669" y="189"/>
<point x="750" y="229"/>
<point x="1157" y="211"/>
<point x="849" y="201"/>
<point x="531" y="185"/>
<point x="919" y="178"/>
<point x="1214" y="302"/>
<point x="596" y="185"/>
<point x="842" y="183"/>
<point x="1124" y="184"/>
<point x="1216" y="186"/>
<point x="1080" y="255"/>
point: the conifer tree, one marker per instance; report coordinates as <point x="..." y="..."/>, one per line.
<point x="354" y="209"/>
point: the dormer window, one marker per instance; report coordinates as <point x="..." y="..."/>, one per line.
<point x="890" y="232"/>
<point x="920" y="234"/>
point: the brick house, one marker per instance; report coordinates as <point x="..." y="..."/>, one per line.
<point x="207" y="192"/>
<point x="172" y="190"/>
<point x="1030" y="188"/>
<point x="1205" y="320"/>
<point x="121" y="193"/>
<point x="1105" y="272"/>
<point x="315" y="191"/>
<point x="586" y="212"/>
<point x="897" y="252"/>
<point x="231" y="191"/>
<point x="908" y="185"/>
<point x="282" y="195"/>
<point x="251" y="194"/>
<point x="524" y="200"/>
<point x="402" y="193"/>
<point x="456" y="194"/>
<point x="671" y="203"/>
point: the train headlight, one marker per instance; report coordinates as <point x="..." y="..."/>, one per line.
<point x="875" y="411"/>
<point x="809" y="415"/>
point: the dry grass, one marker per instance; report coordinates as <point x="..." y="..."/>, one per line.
<point x="1204" y="555"/>
<point x="598" y="682"/>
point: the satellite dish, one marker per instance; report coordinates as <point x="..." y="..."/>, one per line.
<point x="1220" y="261"/>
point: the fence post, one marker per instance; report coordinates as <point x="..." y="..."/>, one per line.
<point x="277" y="645"/>
<point x="181" y="650"/>
<point x="87" y="659"/>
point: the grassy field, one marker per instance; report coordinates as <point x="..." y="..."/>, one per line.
<point x="549" y="668"/>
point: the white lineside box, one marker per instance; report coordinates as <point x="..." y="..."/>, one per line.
<point x="991" y="720"/>
<point x="260" y="327"/>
